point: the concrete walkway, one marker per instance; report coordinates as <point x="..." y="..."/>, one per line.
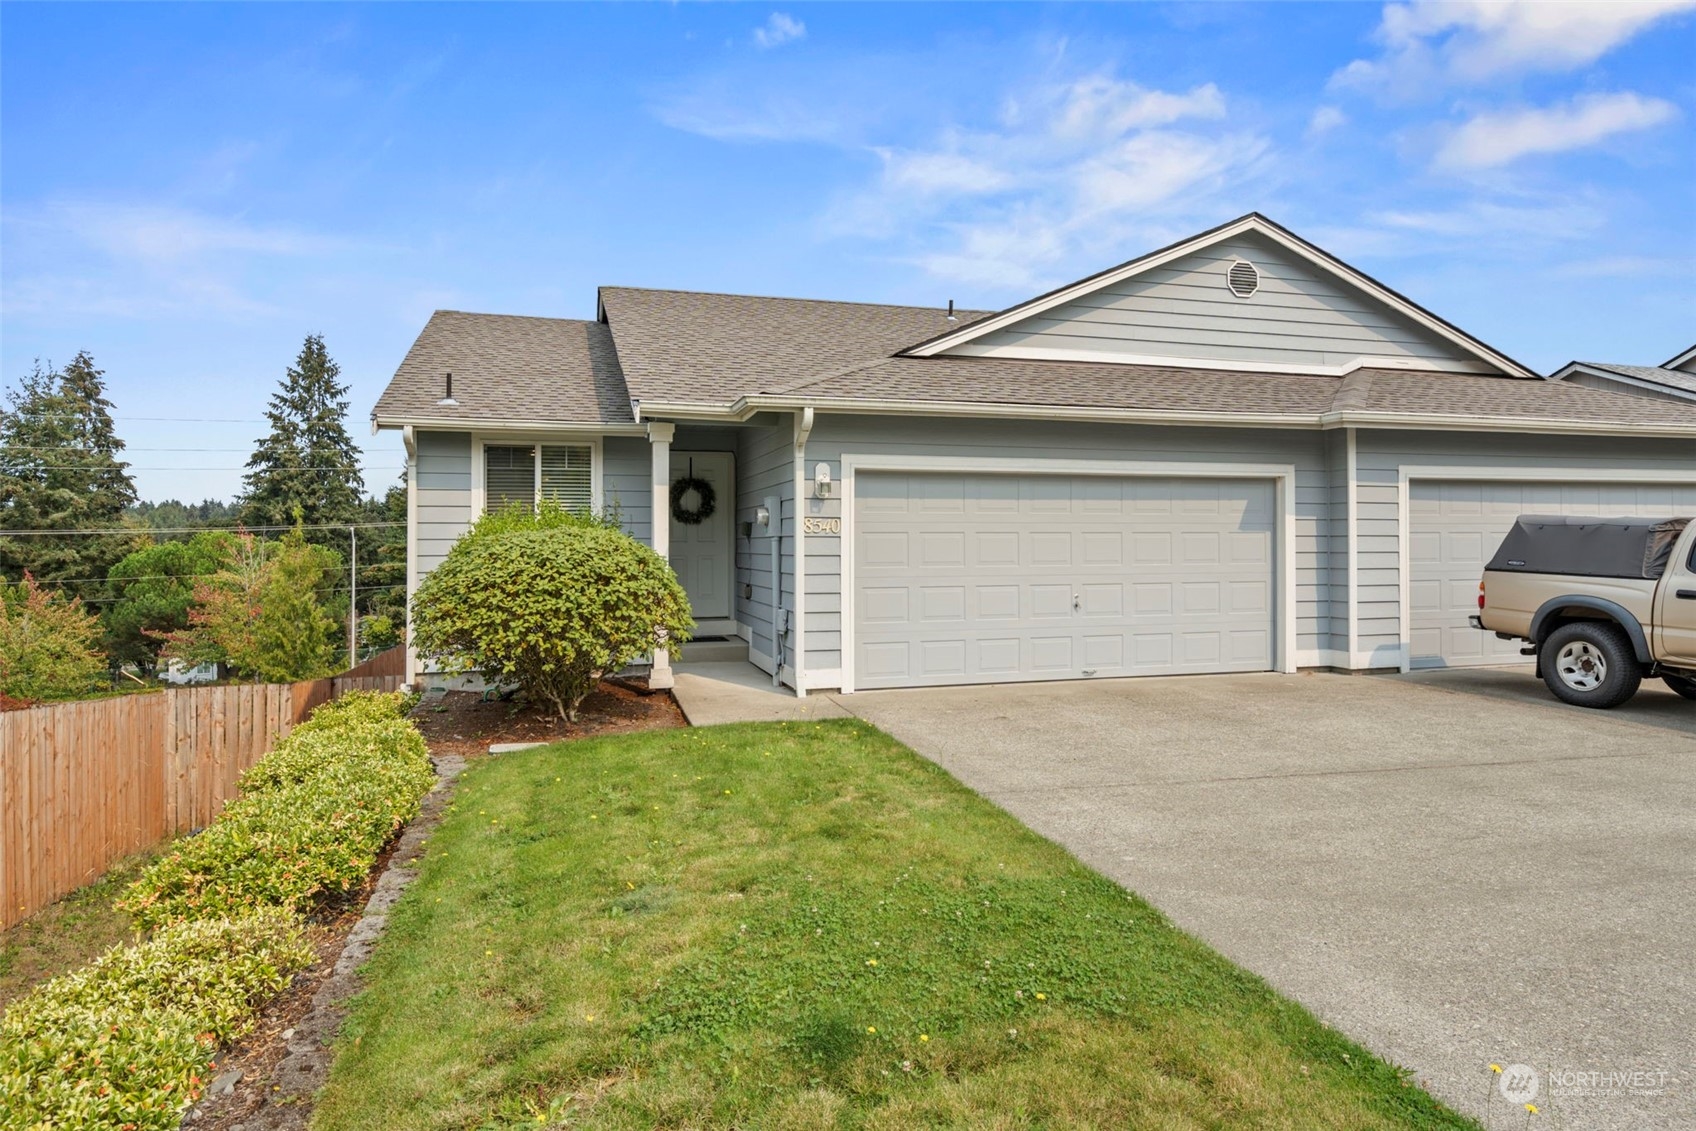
<point x="1453" y="876"/>
<point x="735" y="691"/>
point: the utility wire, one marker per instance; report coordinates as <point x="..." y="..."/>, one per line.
<point x="138" y="530"/>
<point x="338" y="589"/>
<point x="242" y="467"/>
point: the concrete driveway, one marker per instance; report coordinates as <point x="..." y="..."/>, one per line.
<point x="1450" y="867"/>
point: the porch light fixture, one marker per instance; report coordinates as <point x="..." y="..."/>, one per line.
<point x="821" y="481"/>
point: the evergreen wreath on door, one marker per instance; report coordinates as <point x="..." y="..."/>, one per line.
<point x="705" y="500"/>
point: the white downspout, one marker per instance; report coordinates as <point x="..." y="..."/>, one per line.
<point x="410" y="439"/>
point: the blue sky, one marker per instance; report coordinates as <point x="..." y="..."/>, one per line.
<point x="188" y="191"/>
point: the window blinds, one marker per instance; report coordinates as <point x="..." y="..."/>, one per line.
<point x="560" y="473"/>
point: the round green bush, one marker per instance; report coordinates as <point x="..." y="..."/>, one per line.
<point x="550" y="607"/>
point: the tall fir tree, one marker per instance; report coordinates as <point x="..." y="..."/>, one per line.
<point x="59" y="470"/>
<point x="307" y="469"/>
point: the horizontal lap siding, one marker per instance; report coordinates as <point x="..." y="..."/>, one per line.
<point x="443" y="494"/>
<point x="764" y="466"/>
<point x="1382" y="455"/>
<point x="627" y="468"/>
<point x="1299" y="316"/>
<point x="835" y="435"/>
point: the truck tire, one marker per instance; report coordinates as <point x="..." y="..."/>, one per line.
<point x="1590" y="663"/>
<point x="1685" y="687"/>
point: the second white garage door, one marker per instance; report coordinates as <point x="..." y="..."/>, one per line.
<point x="1001" y="578"/>
<point x="1454" y="529"/>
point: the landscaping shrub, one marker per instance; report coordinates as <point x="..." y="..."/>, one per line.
<point x="125" y="1041"/>
<point x="312" y="817"/>
<point x="47" y="644"/>
<point x="550" y="601"/>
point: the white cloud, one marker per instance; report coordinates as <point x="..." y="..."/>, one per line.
<point x="1497" y="138"/>
<point x="1324" y="120"/>
<point x="778" y="30"/>
<point x="1432" y="43"/>
<point x="1067" y="169"/>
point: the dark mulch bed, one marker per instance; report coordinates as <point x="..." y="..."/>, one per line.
<point x="464" y="723"/>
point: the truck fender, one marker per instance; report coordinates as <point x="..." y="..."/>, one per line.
<point x="1614" y="611"/>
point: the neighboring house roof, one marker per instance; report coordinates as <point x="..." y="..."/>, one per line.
<point x="1685" y="361"/>
<point x="687" y="347"/>
<point x="954" y="337"/>
<point x="508" y="369"/>
<point x="1656" y="378"/>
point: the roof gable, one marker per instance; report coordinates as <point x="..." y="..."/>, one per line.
<point x="1308" y="312"/>
<point x="1684" y="362"/>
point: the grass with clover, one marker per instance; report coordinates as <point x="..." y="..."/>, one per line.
<point x="806" y="925"/>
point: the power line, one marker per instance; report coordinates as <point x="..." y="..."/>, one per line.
<point x="139" y="530"/>
<point x="242" y="467"/>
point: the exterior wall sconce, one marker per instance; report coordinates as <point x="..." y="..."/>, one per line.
<point x="821" y="481"/>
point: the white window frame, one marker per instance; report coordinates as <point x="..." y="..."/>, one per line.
<point x="1408" y="473"/>
<point x="1283" y="477"/>
<point x="479" y="465"/>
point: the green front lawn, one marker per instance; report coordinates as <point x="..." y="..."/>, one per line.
<point x="805" y="925"/>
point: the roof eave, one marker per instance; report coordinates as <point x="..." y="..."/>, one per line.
<point x="382" y="421"/>
<point x="747" y="406"/>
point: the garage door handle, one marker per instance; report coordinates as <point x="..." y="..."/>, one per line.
<point x="1686" y="594"/>
<point x="1077" y="602"/>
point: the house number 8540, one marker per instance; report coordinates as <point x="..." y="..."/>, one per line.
<point x="821" y="526"/>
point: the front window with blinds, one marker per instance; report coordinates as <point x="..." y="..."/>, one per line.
<point x="523" y="473"/>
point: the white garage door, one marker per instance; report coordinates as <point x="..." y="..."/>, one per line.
<point x="1455" y="527"/>
<point x="998" y="578"/>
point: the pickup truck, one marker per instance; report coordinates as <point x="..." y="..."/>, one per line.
<point x="1603" y="603"/>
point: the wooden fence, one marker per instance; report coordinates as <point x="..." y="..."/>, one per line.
<point x="84" y="784"/>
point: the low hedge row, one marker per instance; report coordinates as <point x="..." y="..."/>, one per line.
<point x="121" y="1043"/>
<point x="312" y="817"/>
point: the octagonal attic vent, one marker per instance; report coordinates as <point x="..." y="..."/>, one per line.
<point x="1243" y="278"/>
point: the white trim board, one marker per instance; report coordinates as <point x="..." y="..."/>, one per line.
<point x="1407" y="473"/>
<point x="1041" y="353"/>
<point x="1284" y="476"/>
<point x="1259" y="225"/>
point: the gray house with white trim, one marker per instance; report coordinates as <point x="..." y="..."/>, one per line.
<point x="1236" y="453"/>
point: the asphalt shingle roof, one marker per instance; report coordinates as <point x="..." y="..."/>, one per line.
<point x="509" y="368"/>
<point x="685" y="347"/>
<point x="696" y="348"/>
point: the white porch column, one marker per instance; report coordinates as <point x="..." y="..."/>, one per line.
<point x="659" y="440"/>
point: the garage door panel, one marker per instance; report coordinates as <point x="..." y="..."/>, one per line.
<point x="1083" y="576"/>
<point x="1454" y="529"/>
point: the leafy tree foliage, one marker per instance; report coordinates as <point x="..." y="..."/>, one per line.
<point x="47" y="644"/>
<point x="153" y="592"/>
<point x="261" y="615"/>
<point x="549" y="600"/>
<point x="307" y="469"/>
<point x="59" y="470"/>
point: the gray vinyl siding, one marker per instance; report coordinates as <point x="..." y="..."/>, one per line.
<point x="1299" y="316"/>
<point x="1382" y="454"/>
<point x="444" y="494"/>
<point x="627" y="468"/>
<point x="1306" y="450"/>
<point x="764" y="467"/>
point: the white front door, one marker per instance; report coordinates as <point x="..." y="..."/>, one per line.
<point x="703" y="552"/>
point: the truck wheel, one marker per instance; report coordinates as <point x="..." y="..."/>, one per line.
<point x="1685" y="687"/>
<point x="1590" y="664"/>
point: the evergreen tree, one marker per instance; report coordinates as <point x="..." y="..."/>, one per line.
<point x="153" y="590"/>
<point x="307" y="469"/>
<point x="59" y="470"/>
